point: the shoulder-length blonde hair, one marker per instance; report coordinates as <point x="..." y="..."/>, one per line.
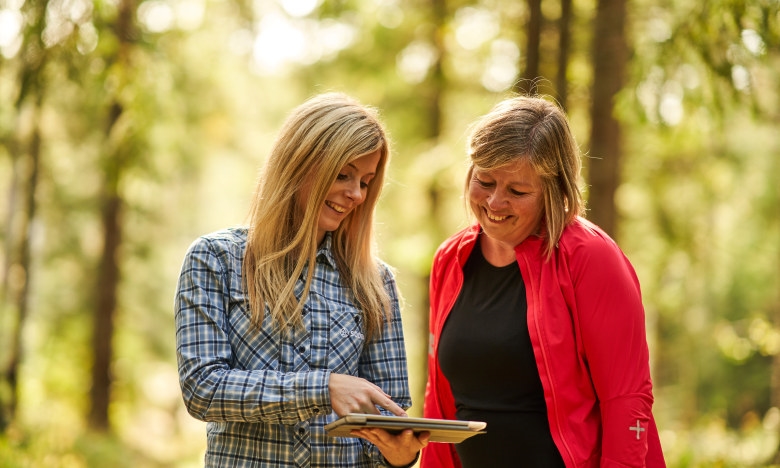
<point x="535" y="129"/>
<point x="318" y="138"/>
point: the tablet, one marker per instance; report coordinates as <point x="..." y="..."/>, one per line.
<point x="442" y="430"/>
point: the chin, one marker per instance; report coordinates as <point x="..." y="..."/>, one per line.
<point x="330" y="227"/>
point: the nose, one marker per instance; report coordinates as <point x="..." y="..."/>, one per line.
<point x="494" y="199"/>
<point x="355" y="192"/>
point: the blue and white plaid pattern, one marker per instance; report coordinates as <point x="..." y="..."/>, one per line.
<point x="265" y="392"/>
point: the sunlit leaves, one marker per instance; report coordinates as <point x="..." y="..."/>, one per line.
<point x="739" y="340"/>
<point x="11" y="22"/>
<point x="415" y="61"/>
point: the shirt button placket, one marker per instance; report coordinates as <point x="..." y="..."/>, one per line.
<point x="302" y="449"/>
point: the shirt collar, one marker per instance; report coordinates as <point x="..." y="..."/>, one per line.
<point x="325" y="251"/>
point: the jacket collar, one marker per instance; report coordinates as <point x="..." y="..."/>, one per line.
<point x="467" y="242"/>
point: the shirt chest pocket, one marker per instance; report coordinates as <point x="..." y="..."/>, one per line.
<point x="346" y="339"/>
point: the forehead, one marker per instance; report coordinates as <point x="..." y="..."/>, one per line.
<point x="367" y="163"/>
<point x="520" y="171"/>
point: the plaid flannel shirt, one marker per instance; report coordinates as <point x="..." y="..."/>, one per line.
<point x="264" y="393"/>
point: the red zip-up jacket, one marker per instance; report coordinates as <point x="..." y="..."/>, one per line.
<point x="587" y="327"/>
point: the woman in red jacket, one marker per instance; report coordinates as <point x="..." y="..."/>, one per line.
<point x="537" y="324"/>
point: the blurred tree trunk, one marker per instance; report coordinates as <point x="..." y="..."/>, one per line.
<point x="14" y="274"/>
<point x="610" y="53"/>
<point x="564" y="50"/>
<point x="106" y="291"/>
<point x="434" y="87"/>
<point x="528" y="81"/>
<point x="775" y="374"/>
<point x="16" y="284"/>
<point x="109" y="268"/>
<point x="25" y="151"/>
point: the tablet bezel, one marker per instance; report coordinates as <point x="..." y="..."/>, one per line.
<point x="442" y="430"/>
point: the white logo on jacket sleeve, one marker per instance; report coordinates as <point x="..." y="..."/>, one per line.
<point x="639" y="429"/>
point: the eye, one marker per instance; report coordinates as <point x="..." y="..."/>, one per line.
<point x="366" y="181"/>
<point x="517" y="192"/>
<point x="342" y="177"/>
<point x="483" y="183"/>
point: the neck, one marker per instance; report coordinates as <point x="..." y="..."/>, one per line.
<point x="496" y="253"/>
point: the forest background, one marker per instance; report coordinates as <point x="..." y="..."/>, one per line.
<point x="128" y="128"/>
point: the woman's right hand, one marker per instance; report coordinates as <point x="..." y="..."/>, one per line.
<point x="349" y="394"/>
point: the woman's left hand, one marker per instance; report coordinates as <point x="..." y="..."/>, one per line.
<point x="398" y="449"/>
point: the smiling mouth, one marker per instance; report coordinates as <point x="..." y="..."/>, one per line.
<point x="335" y="207"/>
<point x="495" y="218"/>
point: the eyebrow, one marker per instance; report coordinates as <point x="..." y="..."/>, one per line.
<point x="523" y="183"/>
<point x="356" y="168"/>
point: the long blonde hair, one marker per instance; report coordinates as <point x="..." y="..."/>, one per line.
<point x="318" y="138"/>
<point x="535" y="129"/>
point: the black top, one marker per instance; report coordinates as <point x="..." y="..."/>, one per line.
<point x="485" y="352"/>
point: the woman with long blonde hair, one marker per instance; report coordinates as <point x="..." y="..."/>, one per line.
<point x="290" y="322"/>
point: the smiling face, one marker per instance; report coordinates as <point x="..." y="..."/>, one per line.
<point x="347" y="192"/>
<point x="507" y="202"/>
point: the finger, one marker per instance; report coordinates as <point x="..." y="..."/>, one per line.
<point x="406" y="436"/>
<point x="362" y="433"/>
<point x="380" y="390"/>
<point x="368" y="435"/>
<point x="391" y="406"/>
<point x="382" y="435"/>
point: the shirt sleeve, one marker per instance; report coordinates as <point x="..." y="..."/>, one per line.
<point x="612" y="321"/>
<point x="212" y="388"/>
<point x="383" y="361"/>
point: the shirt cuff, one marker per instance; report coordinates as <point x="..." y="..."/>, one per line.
<point x="410" y="465"/>
<point x="313" y="395"/>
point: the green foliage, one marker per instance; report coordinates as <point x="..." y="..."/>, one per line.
<point x="699" y="205"/>
<point x="79" y="451"/>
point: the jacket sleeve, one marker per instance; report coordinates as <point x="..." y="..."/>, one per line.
<point x="612" y="325"/>
<point x="436" y="455"/>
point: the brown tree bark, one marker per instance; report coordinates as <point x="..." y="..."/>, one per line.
<point x="528" y="82"/>
<point x="564" y="48"/>
<point x="435" y="85"/>
<point x="775" y="375"/>
<point x="610" y="53"/>
<point x="25" y="151"/>
<point x="107" y="284"/>
<point x="106" y="290"/>
<point x="16" y="285"/>
<point x="435" y="82"/>
<point x="10" y="321"/>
